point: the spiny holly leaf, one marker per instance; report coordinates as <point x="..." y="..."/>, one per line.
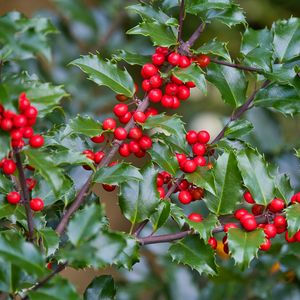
<point x="243" y="246"/>
<point x="57" y="289"/>
<point x="160" y="34"/>
<point x="7" y="210"/>
<point x="280" y="97"/>
<point x="86" y="223"/>
<point x="46" y="167"/>
<point x="214" y="47"/>
<point x="238" y="129"/>
<point x="106" y="73"/>
<point x="86" y="126"/>
<point x="193" y="252"/>
<point x="198" y="6"/>
<point x="138" y="199"/>
<point x="161" y="215"/>
<point x="202" y="178"/>
<point x="102" y="287"/>
<point x="6" y="185"/>
<point x="117" y="174"/>
<point x="256" y="177"/>
<point x="283" y="74"/>
<point x="286" y="38"/>
<point x="21" y="253"/>
<point x="71" y="158"/>
<point x="49" y="240"/>
<point x="131" y="58"/>
<point x="164" y="157"/>
<point x="231" y="83"/>
<point x="178" y="215"/>
<point x="227" y="188"/>
<point x="205" y="227"/>
<point x="293" y="218"/>
<point x="193" y="73"/>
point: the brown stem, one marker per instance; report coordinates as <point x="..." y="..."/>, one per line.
<point x="195" y="36"/>
<point x="181" y="18"/>
<point x="105" y="161"/>
<point x="236" y="66"/>
<point x="24" y="194"/>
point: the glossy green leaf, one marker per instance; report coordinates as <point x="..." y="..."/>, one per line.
<point x="256" y="177"/>
<point x="161" y="215"/>
<point x="243" y="246"/>
<point x="202" y="178"/>
<point x="193" y="252"/>
<point x="164" y="157"/>
<point x="117" y="174"/>
<point x="101" y="288"/>
<point x="205" y="227"/>
<point x="86" y="126"/>
<point x="49" y="240"/>
<point x="193" y="73"/>
<point x="131" y="58"/>
<point x="6" y="210"/>
<point x="178" y="215"/>
<point x="238" y="129"/>
<point x="214" y="47"/>
<point x="286" y="38"/>
<point x="106" y="73"/>
<point x="6" y="185"/>
<point x="71" y="158"/>
<point x="280" y="97"/>
<point x="160" y="34"/>
<point x="138" y="199"/>
<point x="230" y="82"/>
<point x="85" y="224"/>
<point x="227" y="180"/>
<point x="5" y="144"/>
<point x="293" y="218"/>
<point x="196" y="6"/>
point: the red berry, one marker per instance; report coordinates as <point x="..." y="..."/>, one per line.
<point x="203" y="61"/>
<point x="9" y="167"/>
<point x="296" y="198"/>
<point x="176" y="80"/>
<point x="246" y="216"/>
<point x="98" y="139"/>
<point x="291" y="239"/>
<point x="171" y="89"/>
<point x="31" y="121"/>
<point x="135" y="133"/>
<point x="280" y="230"/>
<point x="176" y="102"/>
<point x="155" y="95"/>
<point x="8" y="114"/>
<point x="185" y="197"/>
<point x="6" y="124"/>
<point x="36" y="141"/>
<point x="197" y="193"/>
<point x="297" y="236"/>
<point x="98" y="156"/>
<point x="139" y="116"/>
<point x="109" y="124"/>
<point x="145" y="142"/>
<point x="228" y="226"/>
<point x="17" y="143"/>
<point x="146" y="85"/>
<point x="167" y="101"/>
<point x="174" y="58"/>
<point x="30" y="183"/>
<point x="27" y="132"/>
<point x="36" y="204"/>
<point x="194" y="217"/>
<point x="199" y="149"/>
<point x="203" y="137"/>
<point x="266" y="245"/>
<point x="19" y="121"/>
<point x="248" y="197"/>
<point x="166" y="176"/>
<point x="270" y="231"/>
<point x="125" y="119"/>
<point x="213" y="242"/>
<point x="184" y="185"/>
<point x="108" y="187"/>
<point x="162" y="50"/>
<point x="121" y="97"/>
<point x="16" y="134"/>
<point x="191" y="137"/>
<point x="89" y="154"/>
<point x="240" y="213"/>
<point x="149" y="70"/>
<point x="184" y="62"/>
<point x="190" y="84"/>
<point x="183" y="92"/>
<point x="151" y="112"/>
<point x="120" y="109"/>
<point x="156" y="81"/>
<point x="13" y="197"/>
<point x="257" y="209"/>
<point x="280" y="221"/>
<point x="189" y="166"/>
<point x="276" y="205"/>
<point x="181" y="158"/>
<point x="30" y="112"/>
<point x="120" y="133"/>
<point x="158" y="59"/>
<point x="124" y="150"/>
<point x="134" y="146"/>
<point x="161" y="192"/>
<point x="23" y="102"/>
<point x="249" y="224"/>
<point x="200" y="161"/>
<point x="159" y="180"/>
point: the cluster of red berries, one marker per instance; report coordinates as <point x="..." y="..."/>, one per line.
<point x="36" y="204"/>
<point x="198" y="142"/>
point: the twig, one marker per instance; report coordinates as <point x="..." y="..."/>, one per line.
<point x="236" y="66"/>
<point x="181" y="18"/>
<point x="195" y="36"/>
<point x="25" y="194"/>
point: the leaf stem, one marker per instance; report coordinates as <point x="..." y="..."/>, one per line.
<point x="236" y="66"/>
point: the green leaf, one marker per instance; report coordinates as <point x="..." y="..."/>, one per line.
<point x="227" y="188"/>
<point x="5" y="142"/>
<point x="117" y="174"/>
<point x="131" y="58"/>
<point x="138" y="199"/>
<point x="256" y="177"/>
<point x="16" y="250"/>
<point x="101" y="288"/>
<point x="282" y="74"/>
<point x="293" y="218"/>
<point x="86" y="126"/>
<point x="286" y="38"/>
<point x="214" y="47"/>
<point x="205" y="227"/>
<point x="280" y="97"/>
<point x="238" y="129"/>
<point x="49" y="239"/>
<point x="46" y="167"/>
<point x="297" y="152"/>
<point x="57" y="289"/>
<point x="6" y="185"/>
<point x="243" y="246"/>
<point x="198" y="6"/>
<point x="202" y="178"/>
<point x="163" y="156"/>
<point x="71" y="158"/>
<point x="160" y="34"/>
<point x="178" y="215"/>
<point x="161" y="215"/>
<point x="231" y="83"/>
<point x="193" y="73"/>
<point x="85" y="224"/>
<point x="7" y="210"/>
<point x="106" y="73"/>
<point x="193" y="252"/>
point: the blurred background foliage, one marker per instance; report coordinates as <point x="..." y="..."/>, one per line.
<point x="90" y="26"/>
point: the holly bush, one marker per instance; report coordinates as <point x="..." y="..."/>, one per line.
<point x="52" y="165"/>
